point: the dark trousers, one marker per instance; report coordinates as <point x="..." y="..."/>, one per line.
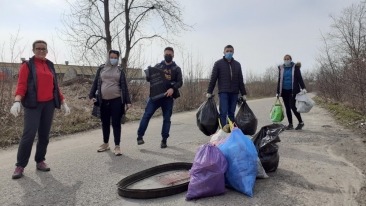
<point x="289" y="101"/>
<point x="37" y="119"/>
<point x="166" y="105"/>
<point x="114" y="109"/>
<point x="227" y="108"/>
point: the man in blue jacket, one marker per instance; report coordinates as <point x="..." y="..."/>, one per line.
<point x="227" y="72"/>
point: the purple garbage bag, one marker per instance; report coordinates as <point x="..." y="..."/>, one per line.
<point x="207" y="175"/>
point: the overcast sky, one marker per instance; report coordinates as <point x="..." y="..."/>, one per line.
<point x="261" y="31"/>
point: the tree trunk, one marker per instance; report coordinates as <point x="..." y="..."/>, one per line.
<point x="107" y="25"/>
<point x="127" y="36"/>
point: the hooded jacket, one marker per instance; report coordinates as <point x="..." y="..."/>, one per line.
<point x="95" y="91"/>
<point x="297" y="81"/>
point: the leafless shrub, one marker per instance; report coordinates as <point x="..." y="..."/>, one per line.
<point x="341" y="72"/>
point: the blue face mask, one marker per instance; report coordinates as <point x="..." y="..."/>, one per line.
<point x="113" y="61"/>
<point x="229" y="55"/>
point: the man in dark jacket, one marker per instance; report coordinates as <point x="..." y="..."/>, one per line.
<point x="229" y="75"/>
<point x="168" y="76"/>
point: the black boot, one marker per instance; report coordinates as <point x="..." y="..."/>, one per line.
<point x="290" y="127"/>
<point x="300" y="126"/>
<point x="163" y="144"/>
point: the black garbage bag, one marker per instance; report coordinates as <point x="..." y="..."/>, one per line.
<point x="246" y="120"/>
<point x="269" y="157"/>
<point x="265" y="142"/>
<point x="207" y="117"/>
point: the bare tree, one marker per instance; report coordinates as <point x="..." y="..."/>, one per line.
<point x="95" y="25"/>
<point x="342" y="63"/>
<point x="14" y="47"/>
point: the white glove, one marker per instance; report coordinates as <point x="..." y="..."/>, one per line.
<point x="208" y="95"/>
<point x="244" y="97"/>
<point x="66" y="109"/>
<point x="15" y="109"/>
<point x="277" y="95"/>
<point x="303" y="91"/>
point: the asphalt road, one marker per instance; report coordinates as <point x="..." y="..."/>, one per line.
<point x="309" y="173"/>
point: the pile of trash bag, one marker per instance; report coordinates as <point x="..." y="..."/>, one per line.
<point x="247" y="158"/>
<point x="243" y="164"/>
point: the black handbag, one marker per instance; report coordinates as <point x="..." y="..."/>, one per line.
<point x="96" y="109"/>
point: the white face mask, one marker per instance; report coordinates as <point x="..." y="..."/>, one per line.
<point x="287" y="62"/>
<point x="113" y="61"/>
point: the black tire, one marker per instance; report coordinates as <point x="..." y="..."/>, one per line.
<point x="124" y="191"/>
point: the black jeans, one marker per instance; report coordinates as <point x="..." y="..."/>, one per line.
<point x="114" y="109"/>
<point x="37" y="119"/>
<point x="289" y="101"/>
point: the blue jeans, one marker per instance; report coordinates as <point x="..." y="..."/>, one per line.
<point x="166" y="105"/>
<point x="227" y="106"/>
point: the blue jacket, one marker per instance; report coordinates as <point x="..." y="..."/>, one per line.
<point x="297" y="81"/>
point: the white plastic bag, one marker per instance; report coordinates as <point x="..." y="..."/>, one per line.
<point x="303" y="103"/>
<point x="218" y="137"/>
<point x="261" y="172"/>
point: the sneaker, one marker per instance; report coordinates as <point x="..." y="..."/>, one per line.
<point x="140" y="141"/>
<point x="18" y="173"/>
<point x="163" y="144"/>
<point x="103" y="147"/>
<point x="290" y="127"/>
<point x="117" y="150"/>
<point x="42" y="166"/>
<point x="300" y="126"/>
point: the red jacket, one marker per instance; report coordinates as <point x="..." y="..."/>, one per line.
<point x="44" y="81"/>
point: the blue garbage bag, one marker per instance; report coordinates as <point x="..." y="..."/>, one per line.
<point x="207" y="173"/>
<point x="241" y="156"/>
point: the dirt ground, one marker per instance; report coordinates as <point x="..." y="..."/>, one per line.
<point x="348" y="146"/>
<point x="353" y="148"/>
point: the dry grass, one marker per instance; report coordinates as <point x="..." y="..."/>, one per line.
<point x="345" y="115"/>
<point x="80" y="118"/>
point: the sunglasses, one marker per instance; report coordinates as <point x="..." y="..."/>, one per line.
<point x="114" y="52"/>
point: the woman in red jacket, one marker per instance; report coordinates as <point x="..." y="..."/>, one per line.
<point x="38" y="91"/>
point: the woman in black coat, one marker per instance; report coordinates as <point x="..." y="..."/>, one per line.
<point x="289" y="84"/>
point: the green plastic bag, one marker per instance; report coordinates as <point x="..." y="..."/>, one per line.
<point x="276" y="113"/>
